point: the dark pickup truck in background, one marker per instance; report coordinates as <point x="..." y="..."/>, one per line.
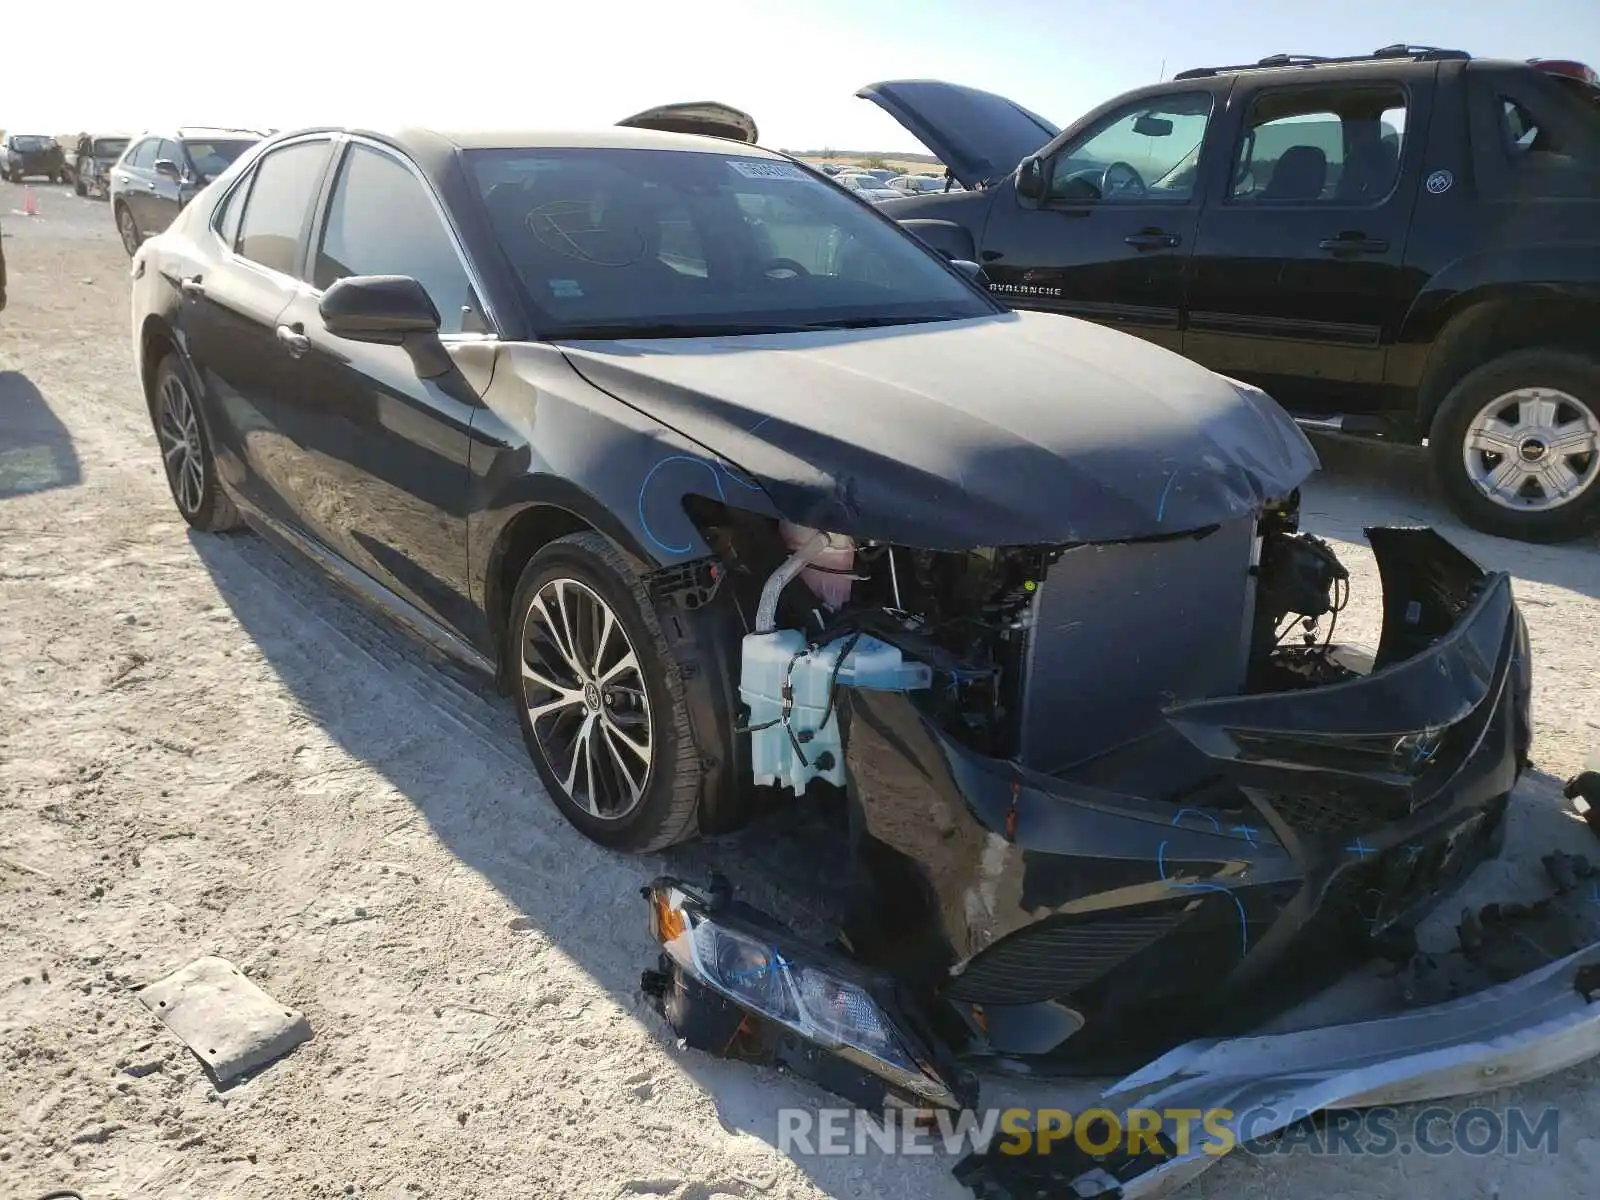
<point x="31" y="154"/>
<point x="1404" y="244"/>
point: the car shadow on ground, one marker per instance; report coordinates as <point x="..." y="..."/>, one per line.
<point x="36" y="451"/>
<point x="450" y="745"/>
<point x="1365" y="482"/>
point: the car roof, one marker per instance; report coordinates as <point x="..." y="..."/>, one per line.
<point x="184" y="132"/>
<point x="612" y="137"/>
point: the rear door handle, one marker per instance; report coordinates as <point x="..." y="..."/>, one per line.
<point x="295" y="342"/>
<point x="190" y="285"/>
<point x="1152" y="239"/>
<point x="1354" y="243"/>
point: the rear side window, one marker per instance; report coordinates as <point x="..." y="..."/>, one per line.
<point x="381" y="221"/>
<point x="1334" y="146"/>
<point x="280" y="197"/>
<point x="1534" y="137"/>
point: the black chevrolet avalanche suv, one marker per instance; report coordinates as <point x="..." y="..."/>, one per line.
<point x="1405" y="244"/>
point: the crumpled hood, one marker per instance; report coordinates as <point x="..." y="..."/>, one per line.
<point x="1015" y="429"/>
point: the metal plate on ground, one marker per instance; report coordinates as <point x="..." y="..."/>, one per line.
<point x="230" y="1023"/>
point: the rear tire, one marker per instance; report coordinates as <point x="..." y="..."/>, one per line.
<point x="610" y="793"/>
<point x="1542" y="407"/>
<point x="186" y="456"/>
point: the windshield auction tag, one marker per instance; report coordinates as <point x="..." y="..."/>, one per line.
<point x="755" y="169"/>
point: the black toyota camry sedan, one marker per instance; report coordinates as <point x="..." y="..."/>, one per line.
<point x="739" y="490"/>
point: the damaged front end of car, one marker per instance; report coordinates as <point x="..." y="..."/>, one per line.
<point x="1098" y="803"/>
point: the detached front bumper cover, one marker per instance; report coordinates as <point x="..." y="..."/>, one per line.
<point x="1529" y="1027"/>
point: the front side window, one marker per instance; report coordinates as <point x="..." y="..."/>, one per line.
<point x="1148" y="151"/>
<point x="381" y="221"/>
<point x="168" y="152"/>
<point x="280" y="197"/>
<point x="143" y="155"/>
<point x="1334" y="146"/>
<point x="673" y="243"/>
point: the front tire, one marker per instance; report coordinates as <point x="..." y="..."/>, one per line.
<point x="127" y="229"/>
<point x="600" y="699"/>
<point x="186" y="451"/>
<point x="1516" y="446"/>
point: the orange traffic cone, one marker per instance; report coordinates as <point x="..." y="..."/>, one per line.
<point x="30" y="205"/>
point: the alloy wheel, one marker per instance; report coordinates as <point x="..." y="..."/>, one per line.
<point x="178" y="430"/>
<point x="128" y="230"/>
<point x="1533" y="449"/>
<point x="586" y="698"/>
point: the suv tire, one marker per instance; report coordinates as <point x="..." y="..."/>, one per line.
<point x="1513" y="398"/>
<point x="617" y="796"/>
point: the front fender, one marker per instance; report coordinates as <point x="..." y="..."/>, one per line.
<point x="548" y="439"/>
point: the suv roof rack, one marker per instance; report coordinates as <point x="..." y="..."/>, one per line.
<point x="1275" y="62"/>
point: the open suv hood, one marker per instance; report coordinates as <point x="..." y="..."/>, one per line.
<point x="705" y="117"/>
<point x="980" y="136"/>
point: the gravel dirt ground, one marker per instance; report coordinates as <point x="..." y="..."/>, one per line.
<point x="206" y="749"/>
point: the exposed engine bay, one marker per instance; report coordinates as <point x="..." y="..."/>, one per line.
<point x="968" y="616"/>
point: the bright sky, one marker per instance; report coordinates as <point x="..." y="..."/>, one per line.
<point x="795" y="66"/>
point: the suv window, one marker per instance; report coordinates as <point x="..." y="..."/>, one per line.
<point x="280" y="197"/>
<point x="1534" y="137"/>
<point x="143" y="155"/>
<point x="1147" y="151"/>
<point x="381" y="221"/>
<point x="170" y="152"/>
<point x="1336" y="146"/>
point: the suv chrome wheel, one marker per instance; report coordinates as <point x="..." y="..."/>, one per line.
<point x="586" y="700"/>
<point x="1533" y="449"/>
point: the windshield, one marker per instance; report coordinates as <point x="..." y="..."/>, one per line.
<point x="30" y="142"/>
<point x="212" y="158"/>
<point x="676" y="243"/>
<point x="109" y="147"/>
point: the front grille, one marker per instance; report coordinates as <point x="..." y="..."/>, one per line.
<point x="1059" y="955"/>
<point x="1316" y="816"/>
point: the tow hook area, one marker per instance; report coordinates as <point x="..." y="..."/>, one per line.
<point x="733" y="982"/>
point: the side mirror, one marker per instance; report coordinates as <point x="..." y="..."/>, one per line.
<point x="378" y="308"/>
<point x="388" y="310"/>
<point x="168" y="168"/>
<point x="1031" y="181"/>
<point x="972" y="271"/>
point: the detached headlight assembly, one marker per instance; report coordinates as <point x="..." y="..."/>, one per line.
<point x="738" y="955"/>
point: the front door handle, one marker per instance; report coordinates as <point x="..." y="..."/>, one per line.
<point x="191" y="285"/>
<point x="1152" y="239"/>
<point x="295" y="342"/>
<point x="1354" y="243"/>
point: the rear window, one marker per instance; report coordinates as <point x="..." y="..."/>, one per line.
<point x="30" y="142"/>
<point x="212" y="158"/>
<point x="109" y="147"/>
<point x="619" y="238"/>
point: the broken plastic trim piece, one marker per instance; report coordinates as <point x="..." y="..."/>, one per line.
<point x="1529" y="1027"/>
<point x="717" y="952"/>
